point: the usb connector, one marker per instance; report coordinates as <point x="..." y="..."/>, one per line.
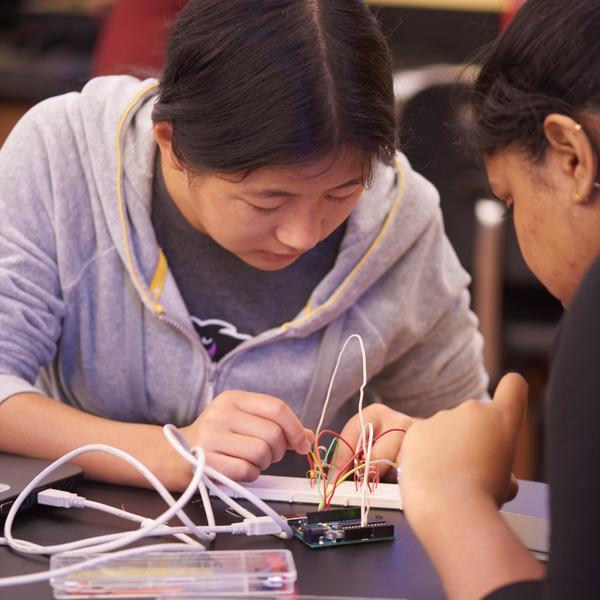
<point x="60" y="498"/>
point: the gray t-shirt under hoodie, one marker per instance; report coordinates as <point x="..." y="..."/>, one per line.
<point x="228" y="300"/>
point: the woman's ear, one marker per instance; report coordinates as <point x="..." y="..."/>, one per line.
<point x="163" y="134"/>
<point x="576" y="156"/>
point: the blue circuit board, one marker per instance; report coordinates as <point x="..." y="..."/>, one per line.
<point x="339" y="527"/>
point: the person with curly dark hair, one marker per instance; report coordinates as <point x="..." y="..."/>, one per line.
<point x="536" y="122"/>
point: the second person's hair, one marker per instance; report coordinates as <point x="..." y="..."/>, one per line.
<point x="546" y="61"/>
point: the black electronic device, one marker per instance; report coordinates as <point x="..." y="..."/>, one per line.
<point x="17" y="471"/>
<point x="338" y="527"/>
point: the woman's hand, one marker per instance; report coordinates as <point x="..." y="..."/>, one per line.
<point x="455" y="472"/>
<point x="387" y="447"/>
<point x="242" y="433"/>
<point x="464" y="452"/>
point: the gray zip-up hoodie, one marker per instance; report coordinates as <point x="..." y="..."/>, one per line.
<point x="90" y="314"/>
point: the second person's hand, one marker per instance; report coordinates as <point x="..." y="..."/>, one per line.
<point x="465" y="452"/>
<point x="383" y="419"/>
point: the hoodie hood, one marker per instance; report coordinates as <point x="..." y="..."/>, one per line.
<point x="120" y="108"/>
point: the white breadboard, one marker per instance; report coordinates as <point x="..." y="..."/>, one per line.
<point x="533" y="531"/>
<point x="297" y="490"/>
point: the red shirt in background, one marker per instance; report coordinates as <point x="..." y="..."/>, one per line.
<point x="132" y="38"/>
<point x="512" y="6"/>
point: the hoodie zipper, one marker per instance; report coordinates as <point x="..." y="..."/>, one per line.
<point x="208" y="391"/>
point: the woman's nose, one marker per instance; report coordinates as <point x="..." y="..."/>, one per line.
<point x="301" y="231"/>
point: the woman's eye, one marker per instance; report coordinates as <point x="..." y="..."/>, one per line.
<point x="264" y="211"/>
<point x="339" y="199"/>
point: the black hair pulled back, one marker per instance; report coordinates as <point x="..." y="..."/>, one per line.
<point x="253" y="83"/>
<point x="546" y="61"/>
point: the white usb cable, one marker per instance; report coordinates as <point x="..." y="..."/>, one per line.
<point x="202" y="480"/>
<point x="270" y="524"/>
<point x="365" y="441"/>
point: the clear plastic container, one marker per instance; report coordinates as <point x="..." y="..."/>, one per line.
<point x="184" y="572"/>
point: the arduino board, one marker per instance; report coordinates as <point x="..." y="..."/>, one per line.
<point x="338" y="527"/>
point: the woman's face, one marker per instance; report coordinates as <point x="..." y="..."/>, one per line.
<point x="558" y="236"/>
<point x="271" y="217"/>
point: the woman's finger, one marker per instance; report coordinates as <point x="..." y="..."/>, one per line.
<point x="511" y="398"/>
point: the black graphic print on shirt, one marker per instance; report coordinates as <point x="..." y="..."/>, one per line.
<point x="218" y="337"/>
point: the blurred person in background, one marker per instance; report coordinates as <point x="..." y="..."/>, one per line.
<point x="132" y="37"/>
<point x="536" y="113"/>
<point x="510" y="10"/>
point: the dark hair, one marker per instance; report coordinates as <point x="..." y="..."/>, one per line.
<point x="251" y="83"/>
<point x="546" y="61"/>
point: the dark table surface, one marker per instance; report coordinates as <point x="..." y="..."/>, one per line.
<point x="389" y="569"/>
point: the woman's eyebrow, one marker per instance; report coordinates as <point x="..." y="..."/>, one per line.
<point x="275" y="192"/>
<point x="355" y="181"/>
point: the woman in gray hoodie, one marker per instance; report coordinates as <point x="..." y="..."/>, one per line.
<point x="195" y="250"/>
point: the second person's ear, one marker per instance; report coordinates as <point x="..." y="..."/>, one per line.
<point x="576" y="155"/>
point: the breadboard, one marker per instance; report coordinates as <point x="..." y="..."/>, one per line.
<point x="297" y="490"/>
